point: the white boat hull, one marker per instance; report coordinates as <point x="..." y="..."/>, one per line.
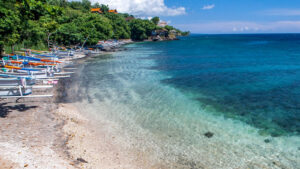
<point x="16" y="92"/>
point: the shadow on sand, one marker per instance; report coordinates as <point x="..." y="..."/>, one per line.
<point x="5" y="110"/>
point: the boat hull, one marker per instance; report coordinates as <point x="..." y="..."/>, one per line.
<point x="16" y="92"/>
<point x="16" y="82"/>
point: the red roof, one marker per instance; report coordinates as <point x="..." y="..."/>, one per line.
<point x="113" y="11"/>
<point x="96" y="10"/>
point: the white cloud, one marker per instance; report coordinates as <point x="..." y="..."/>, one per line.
<point x="143" y="7"/>
<point x="243" y="27"/>
<point x="282" y="12"/>
<point x="208" y="7"/>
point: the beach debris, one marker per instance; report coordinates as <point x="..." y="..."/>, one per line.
<point x="25" y="165"/>
<point x="81" y="160"/>
<point x="267" y="140"/>
<point x="209" y="134"/>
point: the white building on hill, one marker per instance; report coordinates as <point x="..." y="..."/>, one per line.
<point x="162" y="23"/>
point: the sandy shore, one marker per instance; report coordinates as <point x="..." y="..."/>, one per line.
<point x="31" y="135"/>
<point x="46" y="133"/>
<point x="92" y="147"/>
<point x="87" y="145"/>
<point x="35" y="133"/>
<point x="42" y="134"/>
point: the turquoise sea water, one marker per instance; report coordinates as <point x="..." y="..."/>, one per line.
<point x="164" y="97"/>
<point x="253" y="78"/>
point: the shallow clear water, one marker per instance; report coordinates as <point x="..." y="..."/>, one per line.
<point x="165" y="96"/>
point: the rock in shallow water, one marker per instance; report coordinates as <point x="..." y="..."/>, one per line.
<point x="209" y="134"/>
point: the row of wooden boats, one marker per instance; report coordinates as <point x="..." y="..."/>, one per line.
<point x="21" y="75"/>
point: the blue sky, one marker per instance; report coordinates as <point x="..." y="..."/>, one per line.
<point x="218" y="16"/>
<point x="237" y="16"/>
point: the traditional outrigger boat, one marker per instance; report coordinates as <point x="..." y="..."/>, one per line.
<point x="6" y="92"/>
<point x="20" y="75"/>
<point x="15" y="87"/>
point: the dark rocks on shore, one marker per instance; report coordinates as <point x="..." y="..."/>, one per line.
<point x="159" y="38"/>
<point x="209" y="134"/>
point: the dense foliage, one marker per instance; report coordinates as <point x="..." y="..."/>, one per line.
<point x="41" y="23"/>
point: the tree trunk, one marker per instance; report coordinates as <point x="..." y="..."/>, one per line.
<point x="13" y="49"/>
<point x="85" y="41"/>
<point x="48" y="40"/>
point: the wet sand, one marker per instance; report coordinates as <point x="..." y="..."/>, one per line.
<point x="86" y="144"/>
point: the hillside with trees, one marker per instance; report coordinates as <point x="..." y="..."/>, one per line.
<point x="39" y="24"/>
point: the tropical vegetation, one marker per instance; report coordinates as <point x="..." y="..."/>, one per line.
<point x="39" y="24"/>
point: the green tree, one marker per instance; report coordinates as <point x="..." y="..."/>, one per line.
<point x="121" y="29"/>
<point x="31" y="9"/>
<point x="96" y="5"/>
<point x="49" y="26"/>
<point x="138" y="31"/>
<point x="90" y="27"/>
<point x="104" y="8"/>
<point x="33" y="23"/>
<point x="30" y="12"/>
<point x="9" y="24"/>
<point x="49" y="22"/>
<point x="35" y="34"/>
<point x="60" y="3"/>
<point x="86" y="4"/>
<point x="149" y="26"/>
<point x="155" y="20"/>
<point x="68" y="34"/>
<point x="75" y="5"/>
<point x="169" y="27"/>
<point x="94" y="27"/>
<point x="69" y="15"/>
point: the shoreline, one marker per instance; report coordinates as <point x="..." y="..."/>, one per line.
<point x="120" y="122"/>
<point x="44" y="133"/>
<point x="72" y="137"/>
<point x="80" y="132"/>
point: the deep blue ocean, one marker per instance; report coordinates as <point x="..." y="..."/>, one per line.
<point x="252" y="78"/>
<point x="204" y="101"/>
